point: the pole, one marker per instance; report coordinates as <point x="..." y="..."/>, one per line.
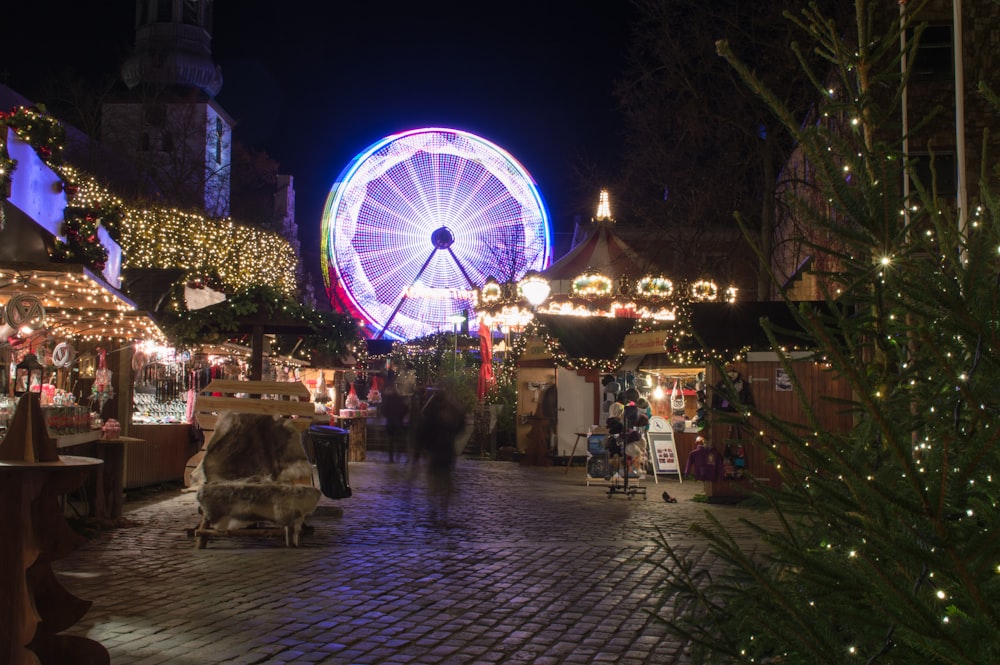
<point x="963" y="196"/>
<point x="402" y="297"/>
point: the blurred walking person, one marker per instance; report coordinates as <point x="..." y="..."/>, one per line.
<point x="441" y="421"/>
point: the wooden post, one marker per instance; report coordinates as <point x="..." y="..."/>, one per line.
<point x="123" y="385"/>
<point x="257" y="353"/>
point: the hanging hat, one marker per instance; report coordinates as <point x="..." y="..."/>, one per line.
<point x="632" y="437"/>
<point x="642" y="420"/>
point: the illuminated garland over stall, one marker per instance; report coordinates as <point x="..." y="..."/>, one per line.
<point x="35" y="127"/>
<point x="152" y="237"/>
<point x="334" y="335"/>
<point x="561" y="358"/>
<point x="82" y="244"/>
<point x="653" y="301"/>
<point x="237" y="256"/>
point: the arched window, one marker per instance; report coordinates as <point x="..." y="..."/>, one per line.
<point x="218" y="140"/>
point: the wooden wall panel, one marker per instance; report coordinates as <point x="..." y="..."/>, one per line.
<point x="160" y="458"/>
<point x="818" y="384"/>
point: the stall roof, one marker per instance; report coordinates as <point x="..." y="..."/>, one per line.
<point x="77" y="301"/>
<point x="602" y="250"/>
<point x="729" y="327"/>
<point x="723" y="325"/>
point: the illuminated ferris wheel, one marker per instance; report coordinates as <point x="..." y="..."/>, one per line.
<point x="419" y="220"/>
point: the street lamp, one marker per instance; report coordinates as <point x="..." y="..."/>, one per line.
<point x="456" y="320"/>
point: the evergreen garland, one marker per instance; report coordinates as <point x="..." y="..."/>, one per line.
<point x="36" y="128"/>
<point x="82" y="244"/>
<point x="335" y="336"/>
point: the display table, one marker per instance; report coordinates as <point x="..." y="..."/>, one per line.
<point x="33" y="533"/>
<point x="105" y="487"/>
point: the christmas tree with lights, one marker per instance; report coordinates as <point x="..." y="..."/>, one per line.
<point x="882" y="544"/>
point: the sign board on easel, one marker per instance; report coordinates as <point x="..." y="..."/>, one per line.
<point x="664" y="453"/>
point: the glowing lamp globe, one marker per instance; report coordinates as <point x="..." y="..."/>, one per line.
<point x="535" y="289"/>
<point x="417" y="223"/>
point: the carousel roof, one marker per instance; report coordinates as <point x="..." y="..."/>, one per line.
<point x="601" y="250"/>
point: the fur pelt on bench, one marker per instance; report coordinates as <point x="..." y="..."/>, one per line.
<point x="227" y="505"/>
<point x="249" y="445"/>
<point x="255" y="469"/>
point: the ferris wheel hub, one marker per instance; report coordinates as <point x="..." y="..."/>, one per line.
<point x="443" y="238"/>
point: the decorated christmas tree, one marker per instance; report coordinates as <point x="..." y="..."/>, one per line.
<point x="882" y="544"/>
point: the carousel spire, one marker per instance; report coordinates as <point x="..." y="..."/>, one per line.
<point x="604" y="208"/>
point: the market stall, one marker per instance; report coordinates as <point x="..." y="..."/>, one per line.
<point x="67" y="329"/>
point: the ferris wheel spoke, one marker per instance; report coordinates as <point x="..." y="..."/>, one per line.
<point x="397" y="207"/>
<point x="416" y="172"/>
<point x="485" y="215"/>
<point x="394" y="280"/>
<point x="455" y="169"/>
<point x="403" y="295"/>
<point x="471" y="196"/>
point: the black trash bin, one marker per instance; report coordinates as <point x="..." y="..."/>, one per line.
<point x="330" y="452"/>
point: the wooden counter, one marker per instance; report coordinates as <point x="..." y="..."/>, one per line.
<point x="160" y="457"/>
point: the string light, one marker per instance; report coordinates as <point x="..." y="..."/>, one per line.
<point x="592" y="284"/>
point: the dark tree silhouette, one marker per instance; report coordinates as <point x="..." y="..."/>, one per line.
<point x="701" y="147"/>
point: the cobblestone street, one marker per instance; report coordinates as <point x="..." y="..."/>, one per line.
<point x="531" y="566"/>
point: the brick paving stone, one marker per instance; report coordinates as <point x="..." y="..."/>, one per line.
<point x="533" y="566"/>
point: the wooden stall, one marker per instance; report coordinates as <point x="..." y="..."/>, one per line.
<point x="770" y="389"/>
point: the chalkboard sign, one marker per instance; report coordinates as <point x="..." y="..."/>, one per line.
<point x="664" y="452"/>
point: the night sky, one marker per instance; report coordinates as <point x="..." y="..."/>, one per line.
<point x="313" y="83"/>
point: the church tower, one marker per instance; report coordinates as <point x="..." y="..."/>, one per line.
<point x="169" y="124"/>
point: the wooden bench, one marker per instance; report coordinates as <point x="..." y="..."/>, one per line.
<point x="255" y="495"/>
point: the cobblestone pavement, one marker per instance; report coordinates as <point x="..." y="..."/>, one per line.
<point x="531" y="566"/>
